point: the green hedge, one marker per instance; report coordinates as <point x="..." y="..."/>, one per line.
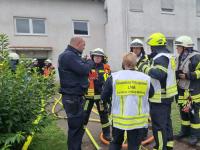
<point x="21" y="93"/>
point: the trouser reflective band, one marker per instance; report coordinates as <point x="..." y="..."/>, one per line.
<point x="86" y="105"/>
<point x="160" y="140"/>
<point x="185" y="123"/>
<point x="195" y="126"/>
<point x="105" y="125"/>
<point x="197" y="73"/>
<point x="170" y="144"/>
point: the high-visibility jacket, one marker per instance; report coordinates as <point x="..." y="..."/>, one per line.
<point x="171" y="87"/>
<point x="48" y="70"/>
<point x="191" y="85"/>
<point x="130" y="106"/>
<point x="94" y="75"/>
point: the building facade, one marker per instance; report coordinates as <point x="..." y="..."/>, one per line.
<point x="42" y="28"/>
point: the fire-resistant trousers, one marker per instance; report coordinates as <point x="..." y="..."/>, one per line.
<point x="162" y="125"/>
<point x="134" y="138"/>
<point x="190" y="121"/>
<point x="103" y="113"/>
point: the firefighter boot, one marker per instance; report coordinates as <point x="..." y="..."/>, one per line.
<point x="193" y="140"/>
<point x="106" y="134"/>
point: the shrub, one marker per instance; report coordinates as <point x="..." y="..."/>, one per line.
<point x="23" y="94"/>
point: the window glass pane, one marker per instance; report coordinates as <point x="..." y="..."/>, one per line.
<point x="136" y="5"/>
<point x="170" y="45"/>
<point x="167" y="5"/>
<point x="198" y="44"/>
<point x="81" y="28"/>
<point x="38" y="26"/>
<point x="22" y="25"/>
<point x="198" y="7"/>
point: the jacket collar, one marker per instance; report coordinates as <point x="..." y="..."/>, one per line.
<point x="70" y="48"/>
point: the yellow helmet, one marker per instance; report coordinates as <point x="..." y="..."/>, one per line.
<point x="156" y="39"/>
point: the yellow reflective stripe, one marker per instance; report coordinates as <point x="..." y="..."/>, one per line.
<point x="160" y="67"/>
<point x="101" y="71"/>
<point x="156" y="97"/>
<point x="160" y="140"/>
<point x="105" y="125"/>
<point x="129" y="126"/>
<point x="195" y="96"/>
<point x="86" y="105"/>
<point x="170" y="144"/>
<point x="105" y="76"/>
<point x="121" y="105"/>
<point x="139" y="104"/>
<point x="131" y="87"/>
<point x="130" y="122"/>
<point x="90" y="92"/>
<point x="195" y="126"/>
<point x="97" y="97"/>
<point x="198" y="66"/>
<point x="130" y="117"/>
<point x="147" y="69"/>
<point x="197" y="72"/>
<point x="185" y="123"/>
<point x="173" y="63"/>
<point x="182" y="101"/>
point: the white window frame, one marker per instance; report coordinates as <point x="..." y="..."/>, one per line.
<point x="30" y="26"/>
<point x="167" y="10"/>
<point x="88" y="26"/>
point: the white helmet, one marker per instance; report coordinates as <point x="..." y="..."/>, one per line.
<point x="13" y="56"/>
<point x="97" y="52"/>
<point x="48" y="61"/>
<point x="136" y="43"/>
<point x="184" y="41"/>
<point x="35" y="60"/>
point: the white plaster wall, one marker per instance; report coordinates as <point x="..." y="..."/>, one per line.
<point x="59" y="15"/>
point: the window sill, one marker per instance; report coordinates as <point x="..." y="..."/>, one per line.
<point x="82" y="35"/>
<point x="167" y="13"/>
<point x="26" y="34"/>
<point x="139" y="11"/>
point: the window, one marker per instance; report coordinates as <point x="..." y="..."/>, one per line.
<point x="198" y="44"/>
<point x="81" y="27"/>
<point x="170" y="44"/>
<point x="136" y="5"/>
<point x="167" y="5"/>
<point x="198" y="7"/>
<point x="30" y="26"/>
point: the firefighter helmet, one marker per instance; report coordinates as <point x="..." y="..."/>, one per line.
<point x="98" y="52"/>
<point x="48" y="61"/>
<point x="13" y="56"/>
<point x="136" y="43"/>
<point x="156" y="39"/>
<point x="184" y="41"/>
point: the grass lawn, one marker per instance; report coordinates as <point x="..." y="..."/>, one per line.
<point x="176" y="121"/>
<point x="51" y="138"/>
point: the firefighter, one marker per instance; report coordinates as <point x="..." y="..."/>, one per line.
<point x="188" y="76"/>
<point x="162" y="72"/>
<point x="137" y="47"/>
<point x="97" y="78"/>
<point x="14" y="60"/>
<point x="130" y="90"/>
<point x="48" y="68"/>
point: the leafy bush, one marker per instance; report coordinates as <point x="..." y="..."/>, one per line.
<point x="23" y="94"/>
